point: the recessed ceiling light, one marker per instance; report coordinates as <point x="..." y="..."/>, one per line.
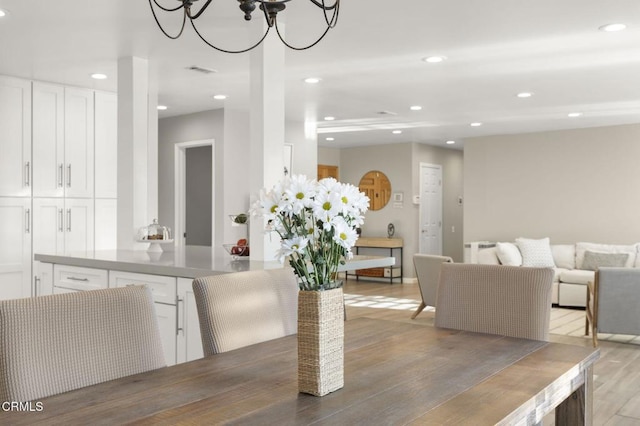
<point x="161" y="107"/>
<point x="524" y="94"/>
<point x="329" y="118"/>
<point x="98" y="76"/>
<point x="397" y="132"/>
<point x="220" y="97"/>
<point x="312" y="80"/>
<point x="450" y="142"/>
<point x="574" y="114"/>
<point x="476" y="124"/>
<point x="329" y="139"/>
<point x="415" y="108"/>
<point x="612" y="27"/>
<point x="3" y="13"/>
<point x="434" y="59"/>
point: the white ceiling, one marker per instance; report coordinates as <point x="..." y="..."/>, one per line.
<point x="371" y="62"/>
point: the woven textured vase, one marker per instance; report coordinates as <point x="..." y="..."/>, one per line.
<point x="320" y="341"/>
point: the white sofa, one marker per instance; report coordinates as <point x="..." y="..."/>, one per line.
<point x="574" y="264"/>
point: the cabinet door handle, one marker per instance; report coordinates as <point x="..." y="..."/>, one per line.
<point x="61" y="175"/>
<point x="27" y="174"/>
<point x="78" y="279"/>
<point x="178" y="328"/>
<point x="36" y="286"/>
<point x="69" y="176"/>
<point x="61" y="221"/>
<point x="68" y="220"/>
<point x="27" y="218"/>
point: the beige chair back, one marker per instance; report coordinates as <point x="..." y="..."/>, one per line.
<point x="506" y="300"/>
<point x="428" y="273"/>
<point x="243" y="308"/>
<point x="53" y="344"/>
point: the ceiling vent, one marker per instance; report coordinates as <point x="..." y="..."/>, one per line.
<point x="202" y="69"/>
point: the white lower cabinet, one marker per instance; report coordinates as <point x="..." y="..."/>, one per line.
<point x="164" y="295"/>
<point x="15" y="247"/>
<point x="43" y="284"/>
<point x="189" y="340"/>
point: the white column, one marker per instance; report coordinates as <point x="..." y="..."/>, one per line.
<point x="267" y="131"/>
<point x="133" y="151"/>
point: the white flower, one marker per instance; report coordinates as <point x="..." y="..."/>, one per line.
<point x="299" y="193"/>
<point x="344" y="234"/>
<point x="293" y="245"/>
<point x="327" y="205"/>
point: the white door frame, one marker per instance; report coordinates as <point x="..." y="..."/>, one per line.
<point x="180" y="188"/>
<point x="421" y="248"/>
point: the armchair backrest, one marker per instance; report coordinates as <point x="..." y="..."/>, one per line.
<point x="244" y="308"/>
<point x="618" y="300"/>
<point x="53" y="344"/>
<point x="428" y="273"/>
<point x="506" y="300"/>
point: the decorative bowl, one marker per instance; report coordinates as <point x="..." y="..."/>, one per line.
<point x="237" y="251"/>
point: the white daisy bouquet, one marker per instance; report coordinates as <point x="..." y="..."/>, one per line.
<point x="317" y="222"/>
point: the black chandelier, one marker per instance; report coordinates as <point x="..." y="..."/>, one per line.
<point x="269" y="7"/>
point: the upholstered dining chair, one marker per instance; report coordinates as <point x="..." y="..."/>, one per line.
<point x="511" y="301"/>
<point x="244" y="308"/>
<point x="53" y="344"/>
<point x="428" y="273"/>
<point x="613" y="302"/>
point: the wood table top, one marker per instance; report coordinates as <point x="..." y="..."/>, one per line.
<point x="395" y="373"/>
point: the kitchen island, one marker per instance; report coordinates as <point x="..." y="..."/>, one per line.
<point x="169" y="275"/>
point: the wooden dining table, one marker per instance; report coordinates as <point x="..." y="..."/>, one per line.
<point x="394" y="373"/>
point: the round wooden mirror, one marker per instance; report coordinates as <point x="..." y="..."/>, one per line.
<point x="377" y="187"/>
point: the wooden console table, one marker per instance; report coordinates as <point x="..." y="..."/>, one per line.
<point x="390" y="244"/>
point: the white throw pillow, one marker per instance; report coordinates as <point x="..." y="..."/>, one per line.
<point x="535" y="253"/>
<point x="509" y="254"/>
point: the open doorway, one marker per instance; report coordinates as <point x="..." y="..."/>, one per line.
<point x="194" y="193"/>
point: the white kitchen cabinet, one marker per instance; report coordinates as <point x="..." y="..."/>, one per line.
<point x="78" y="142"/>
<point x="43" y="284"/>
<point x="15" y="247"/>
<point x="79" y="278"/>
<point x="164" y="295"/>
<point x="189" y="342"/>
<point x="15" y="137"/>
<point x="63" y="141"/>
<point x="63" y="225"/>
<point x="106" y="145"/>
<point x="48" y="140"/>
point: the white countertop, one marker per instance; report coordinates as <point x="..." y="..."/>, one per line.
<point x="188" y="262"/>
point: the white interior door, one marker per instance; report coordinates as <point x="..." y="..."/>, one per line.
<point x="430" y="208"/>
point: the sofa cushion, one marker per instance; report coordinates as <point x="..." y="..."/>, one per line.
<point x="557" y="273"/>
<point x="594" y="260"/>
<point x="488" y="256"/>
<point x="564" y="255"/>
<point x="577" y="276"/>
<point x="582" y="247"/>
<point x="535" y="253"/>
<point x="508" y="254"/>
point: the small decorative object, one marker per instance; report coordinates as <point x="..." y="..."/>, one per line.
<point x="154" y="234"/>
<point x="239" y="219"/>
<point x="391" y="230"/>
<point x="317" y="222"/>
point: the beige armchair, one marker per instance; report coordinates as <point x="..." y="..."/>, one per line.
<point x="613" y="302"/>
<point x="506" y="300"/>
<point x="53" y="344"/>
<point x="428" y="273"/>
<point x="244" y="308"/>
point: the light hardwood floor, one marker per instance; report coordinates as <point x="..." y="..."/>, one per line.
<point x="616" y="374"/>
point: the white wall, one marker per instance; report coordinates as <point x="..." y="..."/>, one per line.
<point x="573" y="185"/>
<point x="329" y="156"/>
